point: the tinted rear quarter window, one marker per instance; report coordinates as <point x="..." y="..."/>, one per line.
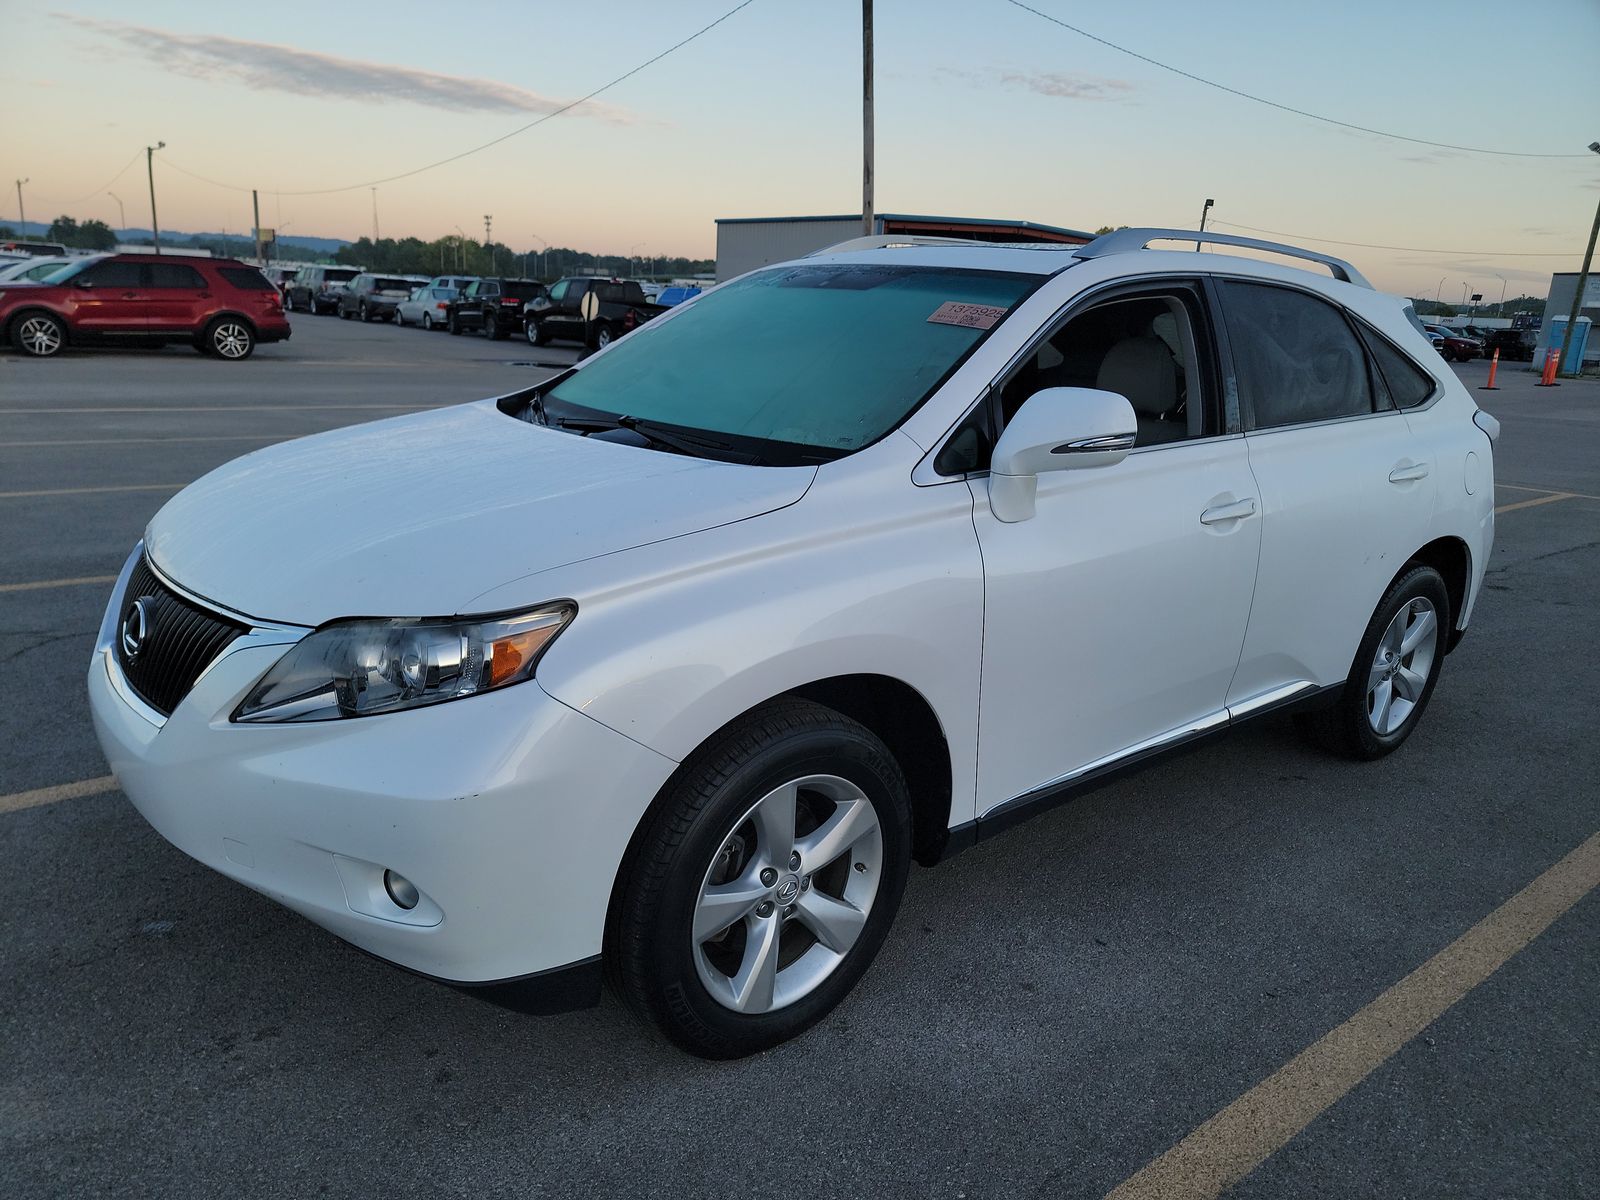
<point x="339" y="275"/>
<point x="1409" y="385"/>
<point x="524" y="291"/>
<point x="1296" y="356"/>
<point x="247" y="278"/>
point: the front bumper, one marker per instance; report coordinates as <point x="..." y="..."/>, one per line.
<point x="509" y="811"/>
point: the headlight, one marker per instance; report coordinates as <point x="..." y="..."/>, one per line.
<point x="358" y="668"/>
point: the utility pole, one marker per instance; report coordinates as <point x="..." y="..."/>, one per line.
<point x="1577" y="296"/>
<point x="150" y="170"/>
<point x="867" y="218"/>
<point x="22" y="213"/>
<point x="487" y="219"/>
<point x="1204" y="210"/>
<point x="374" y="216"/>
<point x="255" y="206"/>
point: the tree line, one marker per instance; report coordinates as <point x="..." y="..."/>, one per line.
<point x="452" y="255"/>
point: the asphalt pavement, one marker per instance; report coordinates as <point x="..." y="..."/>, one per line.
<point x="1053" y="1010"/>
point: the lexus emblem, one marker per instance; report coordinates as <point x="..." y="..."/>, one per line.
<point x="135" y="627"/>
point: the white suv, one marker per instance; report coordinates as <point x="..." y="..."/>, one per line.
<point x="851" y="561"/>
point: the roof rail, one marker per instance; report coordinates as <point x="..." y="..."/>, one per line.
<point x="880" y="241"/>
<point x="1124" y="240"/>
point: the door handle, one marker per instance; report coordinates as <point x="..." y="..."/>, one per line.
<point x="1408" y="473"/>
<point x="130" y="295"/>
<point x="1224" y="513"/>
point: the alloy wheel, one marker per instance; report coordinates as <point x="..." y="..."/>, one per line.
<point x="1401" y="666"/>
<point x="231" y="340"/>
<point x="787" y="894"/>
<point x="40" y="335"/>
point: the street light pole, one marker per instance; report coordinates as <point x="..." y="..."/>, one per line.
<point x="122" y="214"/>
<point x="150" y="170"/>
<point x="1204" y="210"/>
<point x="22" y="213"/>
<point x="1583" y="282"/>
<point x="546" y="246"/>
<point x="867" y="150"/>
<point x="1500" y="309"/>
<point x="1439" y="291"/>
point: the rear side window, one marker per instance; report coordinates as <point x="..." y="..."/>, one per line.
<point x="175" y="275"/>
<point x="247" y="278"/>
<point x="1409" y="385"/>
<point x="525" y="291"/>
<point x="338" y="275"/>
<point x="1296" y="356"/>
<point x="393" y="285"/>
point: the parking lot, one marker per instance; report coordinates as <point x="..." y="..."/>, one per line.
<point x="1055" y="1010"/>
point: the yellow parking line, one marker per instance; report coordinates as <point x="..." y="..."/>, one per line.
<point x="1522" y="487"/>
<point x="37" y="584"/>
<point x="62" y="791"/>
<point x="122" y="487"/>
<point x="1238" y="1139"/>
<point x="1535" y="502"/>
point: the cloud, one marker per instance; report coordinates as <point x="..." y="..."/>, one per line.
<point x="1047" y="83"/>
<point x="265" y="66"/>
<point x="1067" y="87"/>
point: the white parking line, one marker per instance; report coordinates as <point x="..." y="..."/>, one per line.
<point x="62" y="791"/>
<point x="124" y="487"/>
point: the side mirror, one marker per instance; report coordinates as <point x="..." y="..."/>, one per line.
<point x="1056" y="429"/>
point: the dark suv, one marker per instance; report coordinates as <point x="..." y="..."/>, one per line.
<point x="316" y="289"/>
<point x="493" y="307"/>
<point x="221" y="305"/>
<point x="374" y="297"/>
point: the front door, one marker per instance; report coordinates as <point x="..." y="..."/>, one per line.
<point x="1114" y="617"/>
<point x="109" y="300"/>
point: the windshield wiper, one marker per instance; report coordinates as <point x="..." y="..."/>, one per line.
<point x="682" y="443"/>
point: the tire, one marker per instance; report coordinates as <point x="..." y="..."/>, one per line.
<point x="427" y="322"/>
<point x="602" y="337"/>
<point x="454" y="326"/>
<point x="1367" y="721"/>
<point x="366" y="314"/>
<point x="491" y="328"/>
<point x="539" y="336"/>
<point x="39" y="334"/>
<point x="708" y="826"/>
<point x="229" y="338"/>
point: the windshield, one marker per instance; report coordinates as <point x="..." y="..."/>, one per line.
<point x="826" y="357"/>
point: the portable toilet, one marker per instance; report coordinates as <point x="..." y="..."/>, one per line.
<point x="1550" y="339"/>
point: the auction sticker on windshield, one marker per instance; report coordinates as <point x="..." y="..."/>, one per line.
<point x="973" y="316"/>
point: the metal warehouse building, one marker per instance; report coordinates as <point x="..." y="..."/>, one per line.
<point x="745" y="243"/>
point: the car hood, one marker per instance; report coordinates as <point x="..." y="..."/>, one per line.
<point x="418" y="515"/>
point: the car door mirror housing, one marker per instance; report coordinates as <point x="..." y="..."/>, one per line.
<point x="1056" y="429"/>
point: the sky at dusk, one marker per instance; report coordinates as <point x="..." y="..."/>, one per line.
<point x="982" y="110"/>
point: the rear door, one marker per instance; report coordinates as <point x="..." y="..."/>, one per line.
<point x="1346" y="489"/>
<point x="177" y="299"/>
<point x="109" y="300"/>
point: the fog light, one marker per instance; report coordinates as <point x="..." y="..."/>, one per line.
<point x="401" y="890"/>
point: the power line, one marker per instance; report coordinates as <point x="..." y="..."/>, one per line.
<point x="1299" y="112"/>
<point x="1306" y="237"/>
<point x="549" y="116"/>
<point x="101" y="189"/>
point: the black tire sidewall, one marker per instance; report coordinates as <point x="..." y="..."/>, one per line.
<point x="1419" y="581"/>
<point x="672" y="993"/>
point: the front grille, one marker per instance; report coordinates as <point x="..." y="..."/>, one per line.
<point x="180" y="640"/>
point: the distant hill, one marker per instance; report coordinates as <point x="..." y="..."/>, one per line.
<point x="36" y="229"/>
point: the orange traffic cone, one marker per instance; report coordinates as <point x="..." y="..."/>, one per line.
<point x="1547" y="377"/>
<point x="1494" y="368"/>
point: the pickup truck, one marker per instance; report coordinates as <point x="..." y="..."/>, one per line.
<point x="591" y="309"/>
<point x="492" y="307"/>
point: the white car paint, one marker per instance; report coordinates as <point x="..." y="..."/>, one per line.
<point x="1108" y="622"/>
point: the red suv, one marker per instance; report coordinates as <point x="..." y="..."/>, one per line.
<point x="221" y="305"/>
